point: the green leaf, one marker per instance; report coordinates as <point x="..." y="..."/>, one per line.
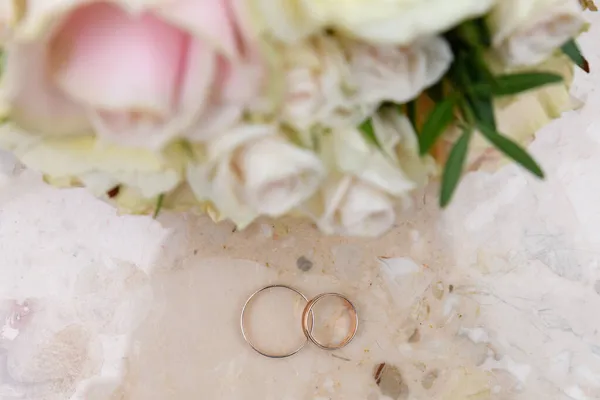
<point x="478" y="69"/>
<point x="572" y="51"/>
<point x="159" y="204"/>
<point x="469" y="33"/>
<point x="474" y="33"/>
<point x="511" y="84"/>
<point x="454" y="167"/>
<point x="511" y="150"/>
<point x="411" y="113"/>
<point x="436" y="92"/>
<point x="466" y="74"/>
<point x="483" y="109"/>
<point x="368" y="132"/>
<point x="484" y="31"/>
<point x="436" y="123"/>
<point x="459" y="71"/>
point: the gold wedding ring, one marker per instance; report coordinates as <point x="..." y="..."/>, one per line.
<point x="247" y="337"/>
<point x="308" y="310"/>
<point x="307" y="322"/>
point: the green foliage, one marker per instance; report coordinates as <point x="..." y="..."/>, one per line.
<point x="474" y="88"/>
<point x="368" y="132"/>
<point x="572" y="51"/>
<point x="436" y="123"/>
<point x="511" y="149"/>
<point x="159" y="205"/>
<point x="512" y="84"/>
<point x="454" y="166"/>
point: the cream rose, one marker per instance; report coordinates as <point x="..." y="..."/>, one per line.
<point x="348" y="206"/>
<point x="129" y="200"/>
<point x="98" y="166"/>
<point x="137" y="73"/>
<point x="286" y="20"/>
<point x="319" y="90"/>
<point x="254" y="171"/>
<point x="399" y="74"/>
<point x="374" y="21"/>
<point x="395" y="168"/>
<point x="399" y="142"/>
<point x="526" y="32"/>
<point x="366" y="180"/>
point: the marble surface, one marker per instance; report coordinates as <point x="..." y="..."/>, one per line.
<point x="496" y="298"/>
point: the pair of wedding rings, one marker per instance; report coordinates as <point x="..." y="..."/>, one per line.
<point x="307" y="322"/>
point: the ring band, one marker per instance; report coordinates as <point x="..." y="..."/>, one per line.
<point x="308" y="310"/>
<point x="249" y="341"/>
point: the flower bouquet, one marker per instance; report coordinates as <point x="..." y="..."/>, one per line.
<point x="336" y="110"/>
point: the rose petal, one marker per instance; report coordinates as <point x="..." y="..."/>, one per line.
<point x="40" y="16"/>
<point x="396" y="22"/>
<point x="366" y="211"/>
<point x="287" y="20"/>
<point x="354" y="155"/>
<point x="214" y="122"/>
<point x="392" y="73"/>
<point x="221" y="186"/>
<point x="111" y="60"/>
<point x="199" y="72"/>
<point x="236" y="87"/>
<point x="211" y="20"/>
<point x="144" y="130"/>
<point x="347" y="206"/>
<point x="37" y="106"/>
<point x="331" y="195"/>
<point x="224" y="145"/>
<point x="98" y="165"/>
<point x="523" y="35"/>
<point x="216" y="180"/>
<point x="398" y="139"/>
<point x="239" y="82"/>
<point x="277" y="175"/>
<point x="319" y="91"/>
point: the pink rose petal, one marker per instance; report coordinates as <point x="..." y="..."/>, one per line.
<point x="37" y="105"/>
<point x="196" y="78"/>
<point x="142" y="129"/>
<point x="112" y="60"/>
<point x="141" y="79"/>
<point x="210" y="20"/>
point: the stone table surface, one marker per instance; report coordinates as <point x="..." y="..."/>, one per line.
<point x="496" y="298"/>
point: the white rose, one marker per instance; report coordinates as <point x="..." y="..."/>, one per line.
<point x="252" y="171"/>
<point x="526" y="32"/>
<point x="317" y="91"/>
<point x="286" y="20"/>
<point x="99" y="166"/>
<point x="129" y="200"/>
<point x="349" y="207"/>
<point x="393" y="21"/>
<point x="398" y="74"/>
<point x="398" y="140"/>
<point x="396" y="168"/>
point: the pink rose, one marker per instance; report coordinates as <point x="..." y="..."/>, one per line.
<point x="137" y="75"/>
